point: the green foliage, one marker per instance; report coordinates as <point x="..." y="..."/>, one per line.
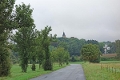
<point x="91" y="53"/>
<point x="73" y="45"/>
<point x="75" y="58"/>
<point x="117" y="43"/>
<point x="25" y="35"/>
<point x="101" y="45"/>
<point x="6" y="25"/>
<point x="108" y="59"/>
<point x="60" y="55"/>
<point x="40" y="54"/>
<point x="5" y="64"/>
<point x="47" y="65"/>
<point x="46" y="40"/>
<point x="23" y="16"/>
<point x="92" y="42"/>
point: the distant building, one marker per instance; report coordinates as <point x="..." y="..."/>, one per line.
<point x="64" y="36"/>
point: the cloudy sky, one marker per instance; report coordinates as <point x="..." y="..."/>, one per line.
<point x="87" y="19"/>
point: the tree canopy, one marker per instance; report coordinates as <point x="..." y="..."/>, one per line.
<point x="91" y="53"/>
<point x="6" y="25"/>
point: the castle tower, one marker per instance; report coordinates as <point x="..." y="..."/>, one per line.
<point x="64" y="36"/>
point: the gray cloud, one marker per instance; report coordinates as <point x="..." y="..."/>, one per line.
<point x="89" y="19"/>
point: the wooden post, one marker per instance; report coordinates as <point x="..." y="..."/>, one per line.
<point x="107" y="67"/>
<point x="101" y="65"/>
<point x="115" y="70"/>
<point x="112" y="69"/>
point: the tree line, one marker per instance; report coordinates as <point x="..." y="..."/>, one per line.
<point x="74" y="45"/>
<point x="20" y="40"/>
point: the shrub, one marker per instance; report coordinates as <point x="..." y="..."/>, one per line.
<point x="47" y="65"/>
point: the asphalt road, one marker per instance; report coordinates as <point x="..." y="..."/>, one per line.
<point x="72" y="72"/>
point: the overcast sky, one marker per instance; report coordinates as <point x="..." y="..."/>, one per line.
<point x="88" y="19"/>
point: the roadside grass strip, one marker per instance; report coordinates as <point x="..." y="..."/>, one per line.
<point x="17" y="74"/>
<point x="94" y="71"/>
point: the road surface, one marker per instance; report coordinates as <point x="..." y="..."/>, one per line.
<point x="72" y="72"/>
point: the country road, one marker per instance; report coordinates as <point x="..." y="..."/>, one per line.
<point x="72" y="72"/>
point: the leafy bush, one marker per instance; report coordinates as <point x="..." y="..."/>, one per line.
<point x="47" y="65"/>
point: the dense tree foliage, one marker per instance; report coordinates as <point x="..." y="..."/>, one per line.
<point x="6" y="25"/>
<point x="24" y="36"/>
<point x="46" y="41"/>
<point x="92" y="42"/>
<point x="73" y="45"/>
<point x="39" y="49"/>
<point x="91" y="53"/>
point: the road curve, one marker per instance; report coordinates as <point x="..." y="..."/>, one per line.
<point x="72" y="72"/>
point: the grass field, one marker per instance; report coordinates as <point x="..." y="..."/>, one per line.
<point x="95" y="72"/>
<point x="16" y="73"/>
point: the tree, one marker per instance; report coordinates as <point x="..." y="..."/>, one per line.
<point x="60" y="55"/>
<point x="91" y="53"/>
<point x="73" y="45"/>
<point x="117" y="43"/>
<point x="46" y="40"/>
<point x="24" y="36"/>
<point x="101" y="45"/>
<point x="112" y="47"/>
<point x="66" y="57"/>
<point x="6" y="25"/>
<point x="39" y="49"/>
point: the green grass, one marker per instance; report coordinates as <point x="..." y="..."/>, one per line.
<point x="93" y="71"/>
<point x="16" y="73"/>
<point x="110" y="62"/>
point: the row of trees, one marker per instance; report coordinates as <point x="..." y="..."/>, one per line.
<point x="27" y="43"/>
<point x="75" y="48"/>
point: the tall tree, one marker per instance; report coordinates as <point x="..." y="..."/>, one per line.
<point x="24" y="36"/>
<point x="46" y="40"/>
<point x="39" y="48"/>
<point x="6" y="24"/>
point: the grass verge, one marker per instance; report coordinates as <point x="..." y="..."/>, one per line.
<point x="94" y="72"/>
<point x="16" y="73"/>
